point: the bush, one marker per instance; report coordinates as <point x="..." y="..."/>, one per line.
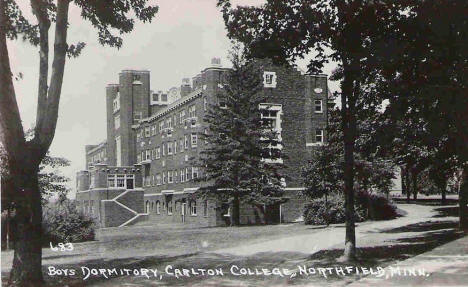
<point x="63" y="222"/>
<point x="367" y="206"/>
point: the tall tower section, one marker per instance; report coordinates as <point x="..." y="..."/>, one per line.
<point x="127" y="103"/>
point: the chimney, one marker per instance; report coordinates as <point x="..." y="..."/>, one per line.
<point x="185" y="88"/>
<point x="216" y="62"/>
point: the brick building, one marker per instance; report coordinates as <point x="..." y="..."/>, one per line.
<point x="143" y="171"/>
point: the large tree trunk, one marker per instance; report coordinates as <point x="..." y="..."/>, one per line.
<point x="24" y="157"/>
<point x="463" y="200"/>
<point x="349" y="130"/>
<point x="27" y="230"/>
<point x="235" y="214"/>
<point x="404" y="183"/>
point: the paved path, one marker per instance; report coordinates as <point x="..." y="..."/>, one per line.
<point x="334" y="235"/>
<point x="447" y="265"/>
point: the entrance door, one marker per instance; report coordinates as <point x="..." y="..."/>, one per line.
<point x="183" y="211"/>
<point x="273" y="214"/>
<point x="129" y="183"/>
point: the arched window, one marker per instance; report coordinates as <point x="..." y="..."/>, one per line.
<point x="205" y="208"/>
<point x="158" y="207"/>
<point x="152" y="205"/>
<point x="193" y="208"/>
<point x="147" y="206"/>
<point x="169" y="207"/>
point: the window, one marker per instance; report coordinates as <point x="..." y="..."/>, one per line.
<point x="120" y="180"/>
<point x="182" y="175"/>
<point x="194" y="140"/>
<point x="117" y="122"/>
<point x="186" y="143"/>
<point x="169" y="177"/>
<point x="319" y="136"/>
<point x="187" y="178"/>
<point x="155" y="97"/>
<point x="192" y="111"/>
<point x="153" y="130"/>
<point x="271" y="119"/>
<point x="158" y="152"/>
<point x="158" y="207"/>
<point x="175" y="147"/>
<point x="169" y="147"/>
<point x="169" y="123"/>
<point x="147" y="132"/>
<point x="175" y="176"/>
<point x="318" y="106"/>
<point x="181" y="116"/>
<point x="205" y="208"/>
<point x="193" y="208"/>
<point x="181" y="145"/>
<point x="164" y="177"/>
<point x="137" y="116"/>
<point x="148" y="155"/>
<point x="158" y="179"/>
<point x="163" y="149"/>
<point x="269" y="79"/>
<point x="116" y="103"/>
<point x="169" y="207"/>
<point x="205" y="104"/>
<point x="161" y="126"/>
<point x="206" y="135"/>
<point x="164" y="97"/>
<point x="194" y="172"/>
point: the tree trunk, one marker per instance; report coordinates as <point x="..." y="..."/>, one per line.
<point x="404" y="189"/>
<point x="349" y="128"/>
<point x="414" y="179"/>
<point x="444" y="196"/>
<point x="27" y="231"/>
<point x="463" y="200"/>
<point x="235" y="214"/>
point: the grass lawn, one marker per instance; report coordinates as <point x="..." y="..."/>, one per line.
<point x="379" y="244"/>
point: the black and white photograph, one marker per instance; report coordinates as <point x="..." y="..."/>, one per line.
<point x="234" y="143"/>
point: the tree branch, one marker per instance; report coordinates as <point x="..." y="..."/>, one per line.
<point x="40" y="11"/>
<point x="11" y="129"/>
<point x="46" y="128"/>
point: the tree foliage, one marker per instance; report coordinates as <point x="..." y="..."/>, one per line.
<point x="238" y="140"/>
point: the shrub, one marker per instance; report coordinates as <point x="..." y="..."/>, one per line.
<point x="377" y="205"/>
<point x="63" y="222"/>
<point x="367" y="206"/>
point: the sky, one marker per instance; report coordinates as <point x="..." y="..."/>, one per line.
<point x="179" y="43"/>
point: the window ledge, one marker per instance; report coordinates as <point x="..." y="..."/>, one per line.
<point x="315" y="144"/>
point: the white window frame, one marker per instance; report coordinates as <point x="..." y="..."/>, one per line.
<point x="195" y="172"/>
<point x="318" y="103"/>
<point x="186" y="142"/>
<point x="170" y="178"/>
<point x="277" y="128"/>
<point x="115" y="180"/>
<point x="266" y="79"/>
<point x="319" y="135"/>
<point x="194" y="140"/>
<point x="169" y="148"/>
<point x="193" y="208"/>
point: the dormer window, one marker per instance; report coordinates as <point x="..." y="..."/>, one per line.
<point x="155" y="97"/>
<point x="269" y="79"/>
<point x="164" y="98"/>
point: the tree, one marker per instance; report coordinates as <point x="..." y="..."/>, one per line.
<point x="239" y="141"/>
<point x="425" y="75"/>
<point x="24" y="156"/>
<point x="346" y="32"/>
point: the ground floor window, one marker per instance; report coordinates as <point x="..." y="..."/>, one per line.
<point x="205" y="208"/>
<point x="169" y="207"/>
<point x="147" y="206"/>
<point x="158" y="207"/>
<point x="193" y="208"/>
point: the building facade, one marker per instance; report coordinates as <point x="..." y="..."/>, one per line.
<point x="156" y="136"/>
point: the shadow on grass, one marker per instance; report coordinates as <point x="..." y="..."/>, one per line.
<point x="447" y="211"/>
<point x="423" y="227"/>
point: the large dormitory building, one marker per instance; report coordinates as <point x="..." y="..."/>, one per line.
<point x="143" y="171"/>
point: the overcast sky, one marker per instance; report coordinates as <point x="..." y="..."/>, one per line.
<point x="179" y="43"/>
